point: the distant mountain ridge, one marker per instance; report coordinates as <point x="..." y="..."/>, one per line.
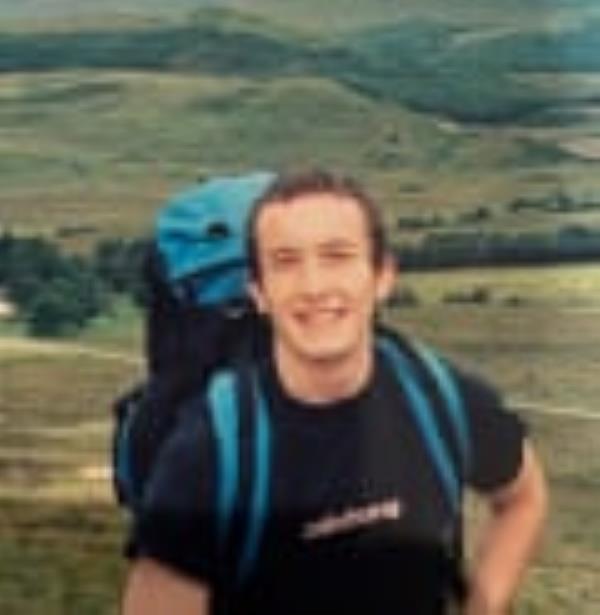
<point x="36" y="10"/>
<point x="394" y="90"/>
<point x="424" y="64"/>
<point x="334" y="14"/>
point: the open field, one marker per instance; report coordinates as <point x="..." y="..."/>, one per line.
<point x="60" y="532"/>
<point x="536" y="335"/>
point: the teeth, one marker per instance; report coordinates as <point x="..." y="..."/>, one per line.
<point x="321" y="316"/>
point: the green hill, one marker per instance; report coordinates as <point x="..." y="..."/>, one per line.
<point x="424" y="64"/>
<point x="101" y="118"/>
<point x="103" y="148"/>
<point x="314" y="15"/>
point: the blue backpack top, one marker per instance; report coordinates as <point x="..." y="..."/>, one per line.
<point x="195" y="271"/>
<point x="201" y="238"/>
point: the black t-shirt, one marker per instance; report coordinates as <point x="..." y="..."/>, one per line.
<point x="357" y="520"/>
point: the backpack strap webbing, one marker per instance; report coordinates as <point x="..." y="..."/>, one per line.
<point x="420" y="406"/>
<point x="434" y="371"/>
<point x="259" y="502"/>
<point x="223" y="412"/>
<point x="453" y="400"/>
<point x="225" y="407"/>
<point x="123" y="471"/>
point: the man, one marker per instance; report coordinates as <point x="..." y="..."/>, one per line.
<point x="357" y="523"/>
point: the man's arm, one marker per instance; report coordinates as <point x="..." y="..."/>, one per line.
<point x="154" y="589"/>
<point x="509" y="539"/>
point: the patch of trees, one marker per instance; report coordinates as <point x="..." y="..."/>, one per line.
<point x="478" y="215"/>
<point x="558" y="202"/>
<point x="119" y="263"/>
<point x="203" y="45"/>
<point x="403" y="297"/>
<point x="417" y="223"/>
<point x="479" y="295"/>
<point x="58" y="294"/>
<point x="439" y="249"/>
<point x="571" y="49"/>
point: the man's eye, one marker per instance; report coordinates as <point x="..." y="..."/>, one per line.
<point x="285" y="260"/>
<point x="338" y="256"/>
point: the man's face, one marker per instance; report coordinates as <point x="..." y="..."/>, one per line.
<point x="318" y="284"/>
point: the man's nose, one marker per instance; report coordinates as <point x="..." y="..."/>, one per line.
<point x="312" y="280"/>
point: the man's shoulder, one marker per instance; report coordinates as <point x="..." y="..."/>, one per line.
<point x="432" y="362"/>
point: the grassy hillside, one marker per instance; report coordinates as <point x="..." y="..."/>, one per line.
<point x="99" y="123"/>
<point x="105" y="160"/>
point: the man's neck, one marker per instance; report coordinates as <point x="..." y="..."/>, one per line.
<point x="326" y="381"/>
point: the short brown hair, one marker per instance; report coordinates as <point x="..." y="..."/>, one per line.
<point x="288" y="187"/>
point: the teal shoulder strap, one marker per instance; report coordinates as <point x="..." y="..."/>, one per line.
<point x="259" y="503"/>
<point x="122" y="460"/>
<point x="453" y="400"/>
<point x="223" y="411"/>
<point x="224" y="408"/>
<point x="419" y="403"/>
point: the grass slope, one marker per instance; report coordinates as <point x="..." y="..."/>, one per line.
<point x="103" y="148"/>
<point x="99" y="124"/>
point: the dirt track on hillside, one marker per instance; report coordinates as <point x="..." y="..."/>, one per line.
<point x="15" y="346"/>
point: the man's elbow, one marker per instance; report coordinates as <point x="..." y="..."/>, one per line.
<point x="528" y="493"/>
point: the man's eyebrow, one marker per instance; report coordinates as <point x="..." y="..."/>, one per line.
<point x="327" y="244"/>
<point x="340" y="243"/>
<point x="282" y="250"/>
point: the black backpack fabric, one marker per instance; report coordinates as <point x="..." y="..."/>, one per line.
<point x="198" y="317"/>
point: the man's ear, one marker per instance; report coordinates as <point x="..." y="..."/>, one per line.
<point x="387" y="277"/>
<point x="257" y="296"/>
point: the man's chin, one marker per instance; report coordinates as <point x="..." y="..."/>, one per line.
<point x="326" y="354"/>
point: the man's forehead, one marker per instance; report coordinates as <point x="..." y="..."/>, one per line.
<point x="314" y="213"/>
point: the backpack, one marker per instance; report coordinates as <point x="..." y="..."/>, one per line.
<point x="201" y="336"/>
<point x="198" y="316"/>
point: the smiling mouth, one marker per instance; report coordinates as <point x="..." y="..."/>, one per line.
<point x="321" y="317"/>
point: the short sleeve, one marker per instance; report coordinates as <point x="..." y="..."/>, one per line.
<point x="497" y="436"/>
<point x="175" y="522"/>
